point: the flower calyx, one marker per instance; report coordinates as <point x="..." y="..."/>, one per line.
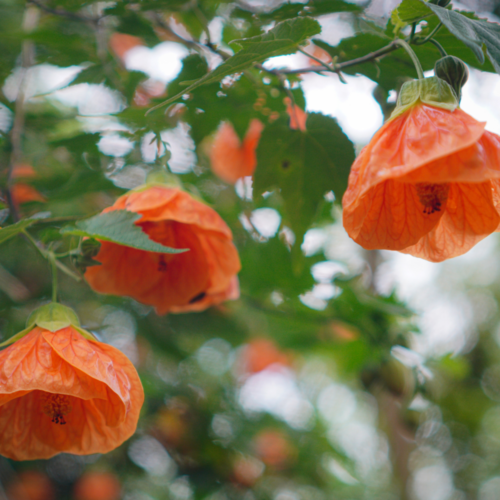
<point x="51" y="317"/>
<point x="160" y="177"/>
<point x="453" y="71"/>
<point x="433" y="91"/>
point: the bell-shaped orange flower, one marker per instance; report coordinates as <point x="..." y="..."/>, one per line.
<point x="427" y="183"/>
<point x="189" y="281"/>
<point x="232" y="159"/>
<point x="63" y="391"/>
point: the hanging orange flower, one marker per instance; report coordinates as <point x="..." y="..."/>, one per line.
<point x="189" y="281"/>
<point x="63" y="391"/>
<point x="426" y="184"/>
<point x="230" y="158"/>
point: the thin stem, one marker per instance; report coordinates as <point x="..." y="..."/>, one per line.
<point x="439" y="47"/>
<point x="53" y="265"/>
<point x="319" y="61"/>
<point x="413" y="56"/>
<point x="428" y="38"/>
<point x="32" y="240"/>
<point x="412" y="34"/>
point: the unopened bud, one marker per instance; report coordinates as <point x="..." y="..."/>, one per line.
<point x="453" y="71"/>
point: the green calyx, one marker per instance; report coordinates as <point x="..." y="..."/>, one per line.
<point x="432" y="91"/>
<point x="51" y="317"/>
<point x="160" y="176"/>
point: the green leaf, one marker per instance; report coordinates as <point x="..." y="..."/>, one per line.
<point x="284" y="38"/>
<point x="304" y="165"/>
<point x="409" y="11"/>
<point x="475" y="33"/>
<point x="9" y="232"/>
<point x="118" y="227"/>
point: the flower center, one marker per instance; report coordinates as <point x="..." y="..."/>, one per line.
<point x="56" y="406"/>
<point x="432" y="196"/>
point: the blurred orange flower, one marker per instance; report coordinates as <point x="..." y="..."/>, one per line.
<point x="190" y="281"/>
<point x="274" y="448"/>
<point x="97" y="486"/>
<point x="60" y="392"/>
<point x="427" y="183"/>
<point x="22" y="192"/>
<point x="298" y="116"/>
<point x="230" y="158"/>
<point x="121" y="43"/>
<point x="258" y="354"/>
<point x="31" y="485"/>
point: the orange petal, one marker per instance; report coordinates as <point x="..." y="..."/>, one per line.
<point x="229" y="158"/>
<point x="121" y="43"/>
<point x="469" y="216"/>
<point x="159" y="203"/>
<point x="477" y="163"/>
<point x="24" y="193"/>
<point x="389" y="216"/>
<point x="420" y="136"/>
<point x="298" y="116"/>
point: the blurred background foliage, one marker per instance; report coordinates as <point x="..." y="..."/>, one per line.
<point x="314" y="385"/>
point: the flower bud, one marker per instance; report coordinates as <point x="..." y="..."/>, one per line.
<point x="453" y="71"/>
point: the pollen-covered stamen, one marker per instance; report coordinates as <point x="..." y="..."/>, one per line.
<point x="56" y="406"/>
<point x="432" y="196"/>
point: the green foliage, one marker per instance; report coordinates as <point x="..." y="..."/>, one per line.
<point x="305" y="166"/>
<point x="283" y="39"/>
<point x="348" y="410"/>
<point x="476" y="34"/>
<point x="9" y="232"/>
<point x="118" y="227"/>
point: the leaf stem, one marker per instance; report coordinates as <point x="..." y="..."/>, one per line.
<point x="414" y="58"/>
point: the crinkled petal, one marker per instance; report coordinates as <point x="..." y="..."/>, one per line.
<point x="469" y="216"/>
<point x="416" y="138"/>
<point x="389" y="216"/>
<point x="477" y="163"/>
<point x="100" y="385"/>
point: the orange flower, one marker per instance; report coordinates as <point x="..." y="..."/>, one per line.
<point x="31" y="485"/>
<point x="97" y="486"/>
<point x="231" y="158"/>
<point x="261" y="353"/>
<point x="24" y="193"/>
<point x="190" y="281"/>
<point x="62" y="391"/>
<point x="274" y="448"/>
<point x="298" y="116"/>
<point x="426" y="184"/>
<point x="121" y="43"/>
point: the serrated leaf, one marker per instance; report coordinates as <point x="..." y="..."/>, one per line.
<point x="9" y="232"/>
<point x="118" y="227"/>
<point x="475" y="33"/>
<point x="304" y="166"/>
<point x="283" y="39"/>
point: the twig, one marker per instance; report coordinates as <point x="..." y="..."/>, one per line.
<point x="65" y="13"/>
